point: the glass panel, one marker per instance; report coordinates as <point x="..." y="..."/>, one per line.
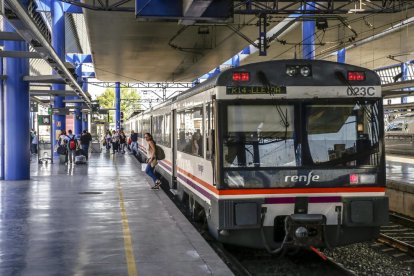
<point x="167" y="131"/>
<point x="343" y="135"/>
<point x="157" y="129"/>
<point x="209" y="127"/>
<point x="146" y="127"/>
<point x="189" y="131"/>
<point x="259" y="136"/>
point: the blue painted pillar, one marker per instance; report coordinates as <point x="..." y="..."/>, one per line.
<point x="117" y="105"/>
<point x="85" y="115"/>
<point x="404" y="77"/>
<point x="58" y="43"/>
<point x="341" y="55"/>
<point x="16" y="113"/>
<point x="235" y="61"/>
<point x="308" y="35"/>
<point x="78" y="115"/>
<point x="1" y="121"/>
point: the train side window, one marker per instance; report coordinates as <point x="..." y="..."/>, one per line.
<point x="190" y="131"/>
<point x="167" y="131"/>
<point x="157" y="129"/>
<point x="209" y="130"/>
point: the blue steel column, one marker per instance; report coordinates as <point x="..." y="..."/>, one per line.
<point x="1" y="120"/>
<point x="341" y="55"/>
<point x="85" y="115"/>
<point x="404" y="77"/>
<point x="16" y="108"/>
<point x="78" y="114"/>
<point x="58" y="43"/>
<point x="117" y="105"/>
<point x="308" y="35"/>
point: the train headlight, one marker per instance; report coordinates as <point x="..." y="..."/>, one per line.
<point x="299" y="70"/>
<point x="305" y="71"/>
<point x="291" y="71"/>
<point x="355" y="179"/>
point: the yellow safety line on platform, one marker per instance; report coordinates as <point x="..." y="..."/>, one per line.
<point x="129" y="250"/>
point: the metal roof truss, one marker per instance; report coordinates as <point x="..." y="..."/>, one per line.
<point x="24" y="25"/>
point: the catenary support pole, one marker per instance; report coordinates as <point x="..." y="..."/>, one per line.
<point x="308" y="34"/>
<point x="58" y="43"/>
<point x="117" y="105"/>
<point x="16" y="109"/>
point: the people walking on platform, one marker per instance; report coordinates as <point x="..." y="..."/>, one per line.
<point x="151" y="161"/>
<point x="122" y="141"/>
<point x="72" y="145"/>
<point x="134" y="142"/>
<point x="62" y="148"/>
<point x="108" y="139"/>
<point x="115" y="142"/>
<point x="35" y="141"/>
<point x="85" y="141"/>
<point x="31" y="136"/>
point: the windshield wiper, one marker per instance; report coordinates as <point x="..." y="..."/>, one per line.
<point x="266" y="83"/>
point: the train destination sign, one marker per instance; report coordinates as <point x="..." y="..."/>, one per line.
<point x="250" y="90"/>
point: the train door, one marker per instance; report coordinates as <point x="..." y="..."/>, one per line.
<point x="174" y="149"/>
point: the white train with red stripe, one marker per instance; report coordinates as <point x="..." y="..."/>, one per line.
<point x="277" y="154"/>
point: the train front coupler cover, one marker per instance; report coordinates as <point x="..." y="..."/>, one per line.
<point x="306" y="230"/>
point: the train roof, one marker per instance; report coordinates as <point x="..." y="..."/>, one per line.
<point x="273" y="73"/>
<point x="324" y="73"/>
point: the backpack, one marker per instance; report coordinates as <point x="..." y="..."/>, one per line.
<point x="159" y="153"/>
<point x="61" y="150"/>
<point x="72" y="143"/>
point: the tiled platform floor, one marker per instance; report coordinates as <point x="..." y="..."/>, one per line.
<point x="49" y="226"/>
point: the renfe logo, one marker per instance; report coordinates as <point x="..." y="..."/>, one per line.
<point x="302" y="178"/>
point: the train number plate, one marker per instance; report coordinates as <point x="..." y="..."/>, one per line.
<point x="250" y="90"/>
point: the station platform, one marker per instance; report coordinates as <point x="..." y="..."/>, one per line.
<point x="97" y="219"/>
<point x="400" y="168"/>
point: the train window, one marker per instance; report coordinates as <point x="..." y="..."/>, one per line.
<point x="157" y="129"/>
<point x="167" y="131"/>
<point x="343" y="135"/>
<point x="146" y="126"/>
<point x="209" y="126"/>
<point x="190" y="131"/>
<point x="259" y="136"/>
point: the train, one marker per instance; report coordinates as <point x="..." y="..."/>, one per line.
<point x="276" y="154"/>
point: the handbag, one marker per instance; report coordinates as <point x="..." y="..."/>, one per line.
<point x="154" y="163"/>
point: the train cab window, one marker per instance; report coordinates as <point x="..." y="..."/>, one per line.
<point x="259" y="136"/>
<point x="343" y="135"/>
<point x="190" y="131"/>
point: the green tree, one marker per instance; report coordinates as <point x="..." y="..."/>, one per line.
<point x="129" y="101"/>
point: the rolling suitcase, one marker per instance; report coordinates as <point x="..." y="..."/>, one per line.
<point x="80" y="159"/>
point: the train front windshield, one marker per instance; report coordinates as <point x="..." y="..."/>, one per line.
<point x="262" y="144"/>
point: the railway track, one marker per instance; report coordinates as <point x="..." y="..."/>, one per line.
<point x="399" y="234"/>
